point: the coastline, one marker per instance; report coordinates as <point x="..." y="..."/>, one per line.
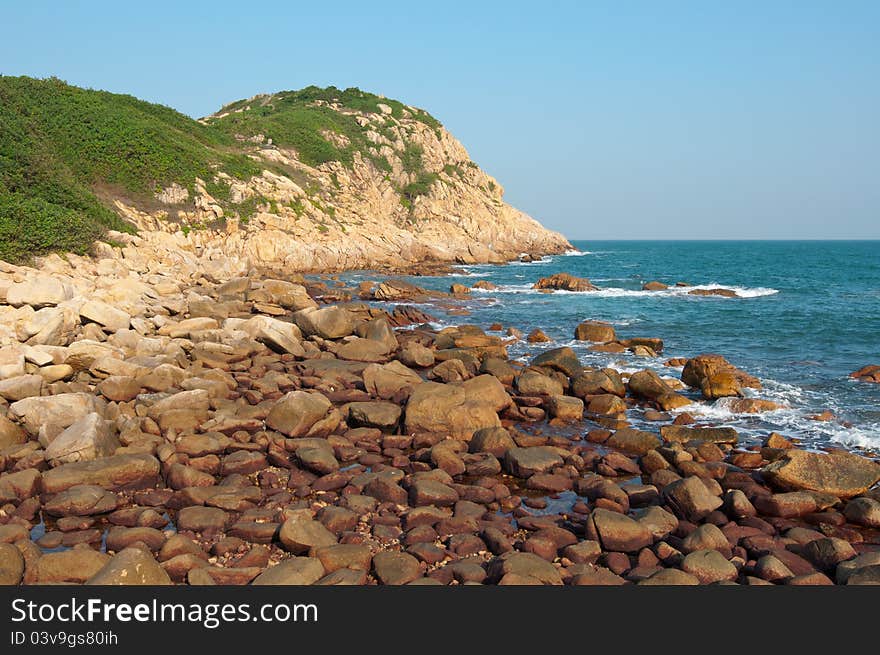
<point x="295" y="441"/>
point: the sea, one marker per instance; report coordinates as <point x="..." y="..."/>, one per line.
<point x="806" y="314"/>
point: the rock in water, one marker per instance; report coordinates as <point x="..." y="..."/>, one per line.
<point x="565" y="282"/>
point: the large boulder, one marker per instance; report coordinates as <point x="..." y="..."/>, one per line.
<point x="455" y="409"/>
<point x="594" y="383"/>
<point x="633" y="441"/>
<point x="683" y="434"/>
<point x="82" y="500"/>
<point x="382" y="415"/>
<point x="303" y="414"/>
<point x="286" y="294"/>
<point x="617" y="532"/>
<point x="564" y="282"/>
<point x="119" y="472"/>
<point x="280" y="336"/>
<point x="42" y="291"/>
<point x="327" y="323"/>
<point x="594" y="331"/>
<point x="838" y="473"/>
<point x="387" y="380"/>
<point x="715" y="377"/>
<point x="691" y="499"/>
<point x="89" y="438"/>
<point x="650" y="386"/>
<point x="48" y="416"/>
<point x="560" y="359"/>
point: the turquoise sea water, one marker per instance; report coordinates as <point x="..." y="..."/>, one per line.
<point x="807" y="314"/>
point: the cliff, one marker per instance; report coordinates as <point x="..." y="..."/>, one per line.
<point x="310" y="180"/>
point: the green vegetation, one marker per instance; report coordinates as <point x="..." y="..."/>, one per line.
<point x="67" y="152"/>
<point x="62" y="148"/>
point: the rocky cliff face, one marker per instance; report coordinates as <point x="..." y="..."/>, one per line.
<point x="407" y="192"/>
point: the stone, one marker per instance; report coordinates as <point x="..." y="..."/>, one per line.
<point x="716" y="377"/>
<point x="533" y="383"/>
<point x="705" y="537"/>
<point x="10" y="433"/>
<point x="828" y="552"/>
<point x="318" y="460"/>
<point x="393" y="568"/>
<point x="108" y="317"/>
<point x="42" y="291"/>
<point x="654" y="285"/>
<point x="657" y="521"/>
<point x="89" y="438"/>
<point x="526" y="565"/>
<point x="202" y="519"/>
<point x="669" y="578"/>
<point x="633" y="441"/>
<point x="607" y="404"/>
<point x="683" y="434"/>
<point x="838" y="473"/>
<point x="327" y="323"/>
<point x="131" y="566"/>
<point x="416" y="355"/>
<point x="690" y="499"/>
<point x="426" y="491"/>
<point x="496" y="441"/>
<point x="566" y="408"/>
<point x="49" y="415"/>
<point x="594" y="383"/>
<point x="564" y="282"/>
<point x="709" y="566"/>
<point x="119" y="388"/>
<point x="523" y="462"/>
<point x="69" y="566"/>
<point x="381" y="415"/>
<point x="116" y="473"/>
<point x="298" y="535"/>
<point x="386" y="381"/>
<point x="449" y="409"/>
<point x="596" y="331"/>
<point x="303" y="414"/>
<point x="617" y="532"/>
<point x="863" y="511"/>
<point x="280" y="336"/>
<point x="20" y="387"/>
<point x="363" y="350"/>
<point x="562" y="359"/>
<point x="11" y="565"/>
<point x="82" y="500"/>
<point x="292" y="571"/>
<point x="345" y="556"/>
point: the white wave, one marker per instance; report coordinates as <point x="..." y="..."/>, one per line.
<point x="617" y="292"/>
<point x="576" y="253"/>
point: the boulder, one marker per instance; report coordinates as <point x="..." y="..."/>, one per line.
<point x="89" y="438"/>
<point x="327" y="323"/>
<point x="654" y="285"/>
<point x="131" y="566"/>
<point x="299" y="534"/>
<point x="617" y="532"/>
<point x="870" y="373"/>
<point x="278" y="335"/>
<point x="523" y="462"/>
<point x="393" y="568"/>
<point x="11" y="565"/>
<point x="716" y="377"/>
<point x="863" y="511"/>
<point x="47" y="416"/>
<point x="387" y="380"/>
<point x="382" y="415"/>
<point x="593" y="383"/>
<point x="534" y="383"/>
<point x="303" y="414"/>
<point x="690" y="499"/>
<point x="42" y="291"/>
<point x="108" y="317"/>
<point x="363" y="350"/>
<point x="450" y="409"/>
<point x="566" y="408"/>
<point x="69" y="566"/>
<point x="633" y="441"/>
<point x="596" y="331"/>
<point x="293" y="571"/>
<point x="709" y="566"/>
<point x="838" y="473"/>
<point x="82" y="500"/>
<point x="20" y="387"/>
<point x="564" y="282"/>
<point x="496" y="441"/>
<point x="560" y="359"/>
<point x="683" y="434"/>
<point x="116" y="473"/>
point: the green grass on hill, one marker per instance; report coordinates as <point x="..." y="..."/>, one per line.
<point x="59" y="143"/>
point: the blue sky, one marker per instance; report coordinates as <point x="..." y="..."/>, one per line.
<point x="601" y="119"/>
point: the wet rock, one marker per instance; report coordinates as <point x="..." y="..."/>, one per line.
<point x="716" y="377"/>
<point x="870" y="373"/>
<point x="303" y="414"/>
<point x="828" y="552"/>
<point x="565" y="408"/>
<point x="607" y="404"/>
<point x="838" y="473"/>
<point x="299" y="535"/>
<point x="670" y="577"/>
<point x="537" y="336"/>
<point x="594" y="383"/>
<point x="131" y="566"/>
<point x="705" y="537"/>
<point x="89" y="438"/>
<point x="82" y="500"/>
<point x="564" y="282"/>
<point x="596" y="331"/>
<point x="654" y="285"/>
<point x="292" y="571"/>
<point x="709" y="566"/>
<point x="116" y="473"/>
<point x="617" y="532"/>
<point x="202" y="519"/>
<point x="846" y="569"/>
<point x="392" y="568"/>
<point x="426" y="491"/>
<point x="11" y="565"/>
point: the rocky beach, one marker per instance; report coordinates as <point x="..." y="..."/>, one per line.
<point x="175" y="420"/>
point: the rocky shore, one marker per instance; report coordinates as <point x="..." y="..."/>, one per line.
<point x="184" y="421"/>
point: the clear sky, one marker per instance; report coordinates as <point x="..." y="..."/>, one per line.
<point x="674" y="119"/>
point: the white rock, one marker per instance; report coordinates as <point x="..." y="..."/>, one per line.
<point x="42" y="291"/>
<point x="88" y="438"/>
<point x="105" y="315"/>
